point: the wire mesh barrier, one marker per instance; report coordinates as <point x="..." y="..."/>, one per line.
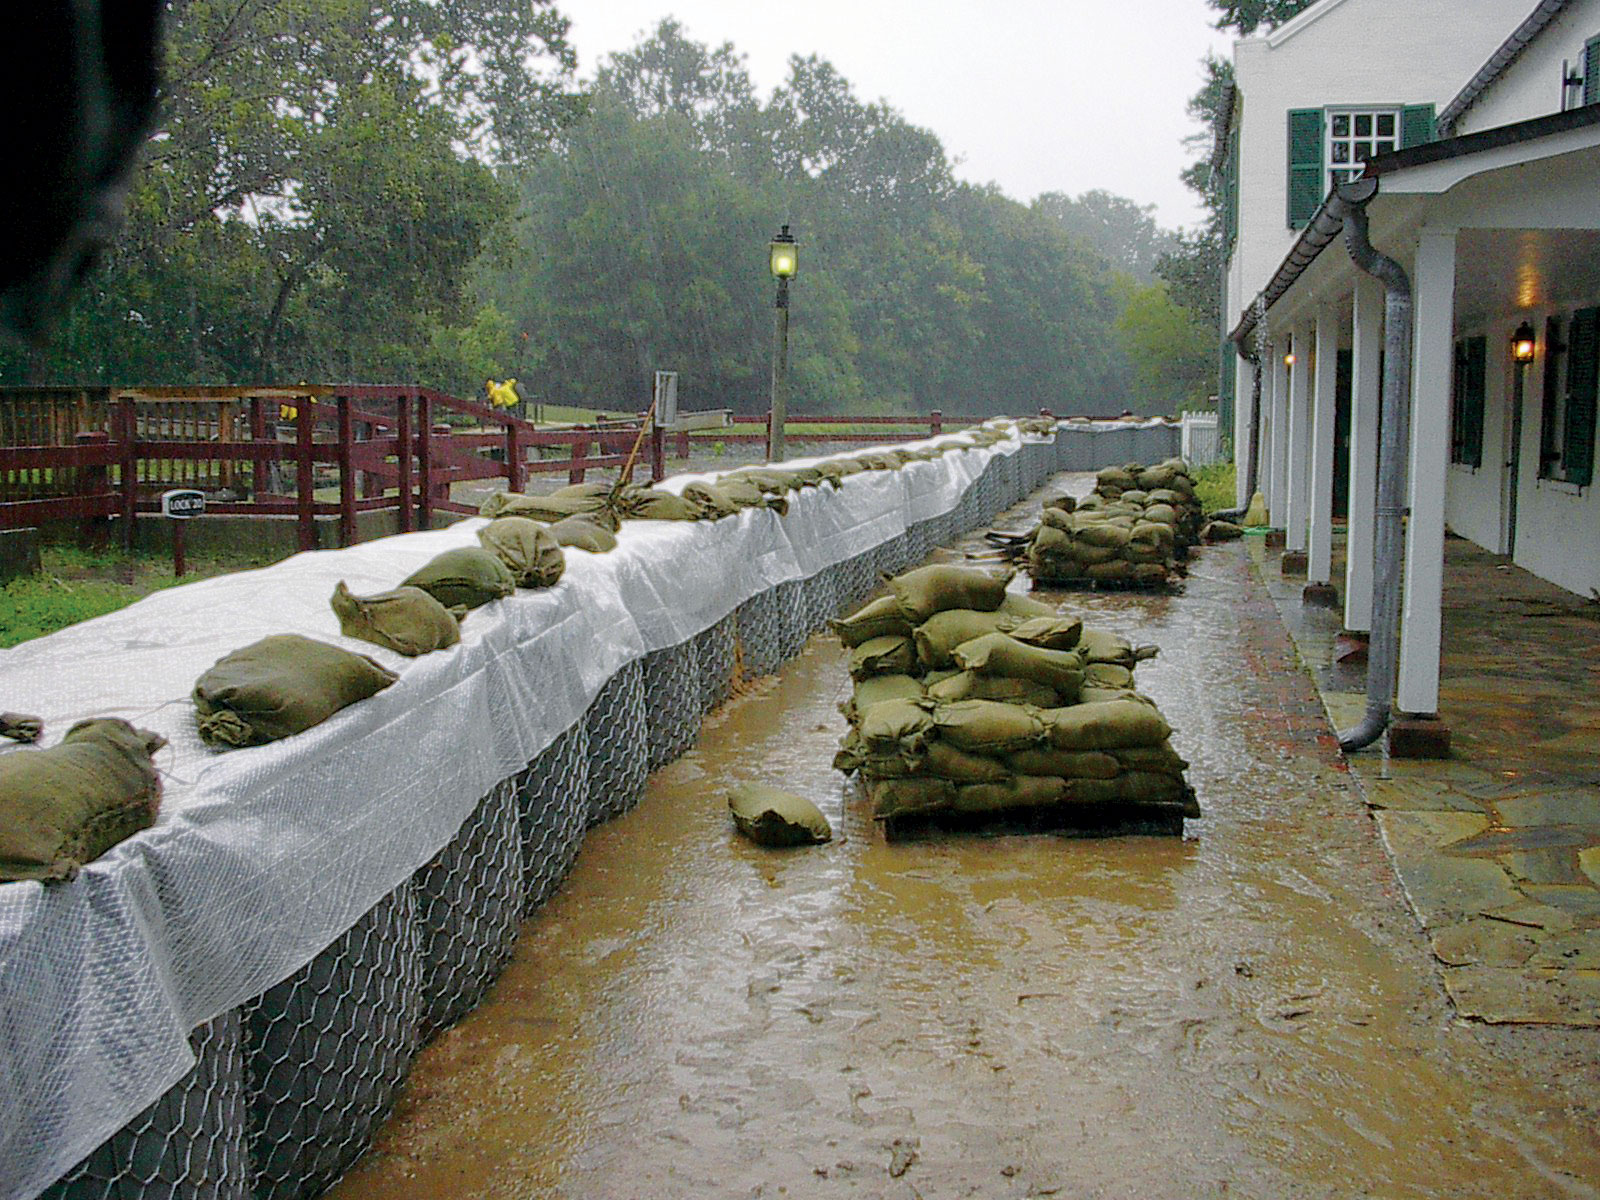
<point x="288" y="1088"/>
<point x="327" y="1049"/>
<point x="552" y="813"/>
<point x="618" y="745"/>
<point x="672" y="705"/>
<point x="469" y="906"/>
<point x="189" y="1144"/>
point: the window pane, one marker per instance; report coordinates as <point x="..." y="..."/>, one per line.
<point x="1341" y="125"/>
<point x="1363" y="151"/>
<point x="1363" y="124"/>
<point x="1341" y="152"/>
<point x="1386" y="125"/>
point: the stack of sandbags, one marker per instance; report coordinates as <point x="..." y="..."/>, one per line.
<point x="1163" y="493"/>
<point x="1109" y="544"/>
<point x="969" y="699"/>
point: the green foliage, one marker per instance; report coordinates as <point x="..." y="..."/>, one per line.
<point x="1214" y="485"/>
<point x="1246" y="16"/>
<point x="1125" y="234"/>
<point x="1170" y="349"/>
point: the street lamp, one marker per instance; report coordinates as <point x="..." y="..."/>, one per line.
<point x="1522" y="344"/>
<point x="783" y="259"/>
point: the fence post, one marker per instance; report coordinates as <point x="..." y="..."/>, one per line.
<point x="128" y="433"/>
<point x="93" y="481"/>
<point x="936" y="423"/>
<point x="658" y="453"/>
<point x="260" y="471"/>
<point x="514" y="464"/>
<point x="304" y="476"/>
<point x="347" y="473"/>
<point x="683" y="444"/>
<point x="769" y="435"/>
<point x="580" y="451"/>
<point x="403" y="454"/>
<point x="425" y="460"/>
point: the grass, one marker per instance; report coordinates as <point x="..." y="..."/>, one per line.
<point x="76" y="584"/>
<point x="1214" y="485"/>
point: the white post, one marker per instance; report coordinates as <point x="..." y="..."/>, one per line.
<point x="1434" y="283"/>
<point x="1299" y="454"/>
<point x="1365" y="383"/>
<point x="1319" y="559"/>
<point x="1278" y="496"/>
<point x="1244" y="374"/>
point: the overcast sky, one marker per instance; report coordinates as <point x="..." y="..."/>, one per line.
<point x="1034" y="95"/>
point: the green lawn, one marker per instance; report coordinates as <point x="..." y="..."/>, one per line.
<point x="1214" y="485"/>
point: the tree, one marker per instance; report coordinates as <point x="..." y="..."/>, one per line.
<point x="1247" y="16"/>
<point x="1172" y="350"/>
<point x="1124" y="233"/>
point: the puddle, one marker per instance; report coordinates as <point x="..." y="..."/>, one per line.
<point x="1247" y="1011"/>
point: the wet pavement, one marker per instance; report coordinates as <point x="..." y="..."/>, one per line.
<point x="1249" y="1010"/>
<point x="1498" y="846"/>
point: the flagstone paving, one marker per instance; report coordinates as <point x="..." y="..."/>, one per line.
<point x="1498" y="846"/>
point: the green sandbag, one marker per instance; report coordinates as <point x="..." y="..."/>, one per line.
<point x="883" y="656"/>
<point x="1132" y="788"/>
<point x="1065" y="504"/>
<point x="947" y="762"/>
<point x="746" y="494"/>
<point x="467" y="575"/>
<point x="1115" y="478"/>
<point x="1161" y="514"/>
<point x="1048" y="539"/>
<point x="770" y="817"/>
<point x="1115" y="725"/>
<point x="1146" y="574"/>
<point x="1092" y="694"/>
<point x="1000" y="654"/>
<point x="988" y="726"/>
<point x="1015" y="604"/>
<point x="1136" y="496"/>
<point x="583" y="533"/>
<point x="771" y="481"/>
<point x="68" y="805"/>
<point x="1106" y="534"/>
<point x="1019" y="791"/>
<point x="969" y="685"/>
<point x="527" y="548"/>
<point x="877" y="689"/>
<point x="1052" y="633"/>
<point x="20" y="727"/>
<point x="280" y="686"/>
<point x="710" y="502"/>
<point x="1098" y="646"/>
<point x="879" y="618"/>
<point x="1221" y="531"/>
<point x="551" y="508"/>
<point x="407" y="620"/>
<point x="851" y="753"/>
<point x="896" y="727"/>
<point x="940" y="634"/>
<point x="897" y="797"/>
<point x="1162" y="759"/>
<point x="1107" y="675"/>
<point x="928" y="590"/>
<point x="651" y="504"/>
<point x="1068" y="764"/>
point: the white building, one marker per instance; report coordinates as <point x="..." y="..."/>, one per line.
<point x="1493" y="214"/>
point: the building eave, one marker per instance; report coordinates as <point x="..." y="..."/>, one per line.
<point x="1510" y="50"/>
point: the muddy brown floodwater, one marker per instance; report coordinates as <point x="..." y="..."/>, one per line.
<point x="1248" y="1011"/>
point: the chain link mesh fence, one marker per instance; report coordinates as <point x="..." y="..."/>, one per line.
<point x="552" y="813"/>
<point x="327" y="1049"/>
<point x="716" y="653"/>
<point x="672" y="705"/>
<point x="618" y="745"/>
<point x="469" y="906"/>
<point x="760" y="620"/>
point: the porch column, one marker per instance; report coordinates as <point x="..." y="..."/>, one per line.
<point x="1299" y="450"/>
<point x="1244" y="374"/>
<point x="1278" y="496"/>
<point x="1433" y="281"/>
<point x="1365" y="381"/>
<point x="1319" y="561"/>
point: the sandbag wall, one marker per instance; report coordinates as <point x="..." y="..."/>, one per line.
<point x="287" y="1089"/>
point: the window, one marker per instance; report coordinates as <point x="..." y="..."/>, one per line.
<point x="1329" y="146"/>
<point x="1571" y="374"/>
<point x="1466" y="401"/>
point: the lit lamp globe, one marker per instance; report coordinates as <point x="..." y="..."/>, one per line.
<point x="1522" y="344"/>
<point x="783" y="255"/>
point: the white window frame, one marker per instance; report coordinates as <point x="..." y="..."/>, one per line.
<point x="1338" y="172"/>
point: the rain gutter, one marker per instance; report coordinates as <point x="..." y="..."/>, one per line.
<point x="1508" y="53"/>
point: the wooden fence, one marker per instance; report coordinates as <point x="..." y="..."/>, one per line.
<point x="310" y="451"/>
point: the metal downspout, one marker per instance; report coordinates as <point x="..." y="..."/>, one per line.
<point x="1383" y="653"/>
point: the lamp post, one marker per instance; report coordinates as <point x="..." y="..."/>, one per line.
<point x="783" y="258"/>
<point x="1523" y="346"/>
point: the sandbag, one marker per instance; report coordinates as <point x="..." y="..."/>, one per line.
<point x="407" y="620"/>
<point x="1115" y="725"/>
<point x="651" y="504"/>
<point x="948" y="762"/>
<point x="1052" y="633"/>
<point x="280" y="686"/>
<point x="938" y="636"/>
<point x="1015" y="604"/>
<point x="1256" y="515"/>
<point x="709" y="501"/>
<point x="1132" y="788"/>
<point x="567" y="502"/>
<point x="1067" y="764"/>
<point x="1000" y="654"/>
<point x="583" y="533"/>
<point x="1109" y="535"/>
<point x="1099" y="646"/>
<point x="66" y="806"/>
<point x="879" y="618"/>
<point x="747" y="495"/>
<point x="20" y="727"/>
<point x="1162" y="759"/>
<point x="467" y="575"/>
<point x="770" y="817"/>
<point x="1107" y="675"/>
<point x="969" y="685"/>
<point x="928" y="590"/>
<point x="528" y="549"/>
<point x="876" y="689"/>
<point x="988" y="726"/>
<point x="883" y="656"/>
<point x="897" y="797"/>
<point x="1220" y="531"/>
<point x="900" y="727"/>
<point x="1018" y="791"/>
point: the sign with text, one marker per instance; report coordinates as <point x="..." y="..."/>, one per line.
<point x="182" y="503"/>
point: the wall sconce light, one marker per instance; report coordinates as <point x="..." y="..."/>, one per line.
<point x="1522" y="344"/>
<point x="1288" y="359"/>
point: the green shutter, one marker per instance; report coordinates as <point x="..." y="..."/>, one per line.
<point x="1458" y="402"/>
<point x="1416" y="125"/>
<point x="1306" y="182"/>
<point x="1549" y="452"/>
<point x="1583" y="374"/>
<point x="1591" y="71"/>
<point x="1477" y="374"/>
<point x="1230" y="194"/>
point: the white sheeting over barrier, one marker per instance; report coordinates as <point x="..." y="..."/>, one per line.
<point x="261" y="857"/>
